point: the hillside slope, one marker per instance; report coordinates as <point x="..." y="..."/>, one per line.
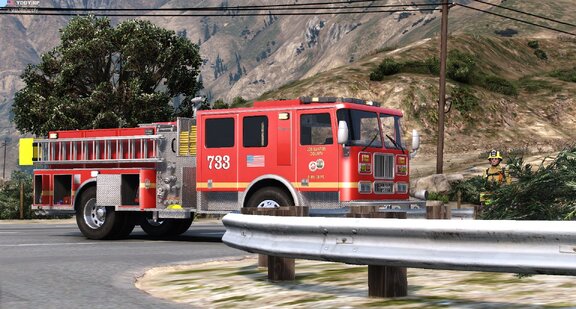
<point x="541" y="117"/>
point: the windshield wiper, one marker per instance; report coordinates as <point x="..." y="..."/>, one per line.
<point x="398" y="146"/>
<point x="372" y="141"/>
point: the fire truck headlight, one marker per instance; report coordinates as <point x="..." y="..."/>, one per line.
<point x="365" y="187"/>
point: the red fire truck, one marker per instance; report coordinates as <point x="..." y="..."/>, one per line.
<point x="326" y="153"/>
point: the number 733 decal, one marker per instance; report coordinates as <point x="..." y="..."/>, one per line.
<point x="219" y="162"/>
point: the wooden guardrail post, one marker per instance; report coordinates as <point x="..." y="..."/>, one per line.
<point x="383" y="281"/>
<point x="437" y="210"/>
<point x="279" y="268"/>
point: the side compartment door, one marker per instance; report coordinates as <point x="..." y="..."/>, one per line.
<point x="317" y="153"/>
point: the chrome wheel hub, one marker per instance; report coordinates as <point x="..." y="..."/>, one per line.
<point x="94" y="216"/>
<point x="268" y="204"/>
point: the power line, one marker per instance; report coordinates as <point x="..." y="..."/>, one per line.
<point x="211" y="15"/>
<point x="516" y="19"/>
<point x="526" y="13"/>
<point x="302" y="6"/>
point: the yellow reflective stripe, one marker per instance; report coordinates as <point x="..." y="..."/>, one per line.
<point x="313" y="185"/>
<point x="222" y="185"/>
<point x="47" y="193"/>
<point x="150" y="185"/>
<point x="349" y="185"/>
<point x="326" y="185"/>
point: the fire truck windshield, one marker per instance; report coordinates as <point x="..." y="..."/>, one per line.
<point x="368" y="129"/>
<point x="363" y="129"/>
<point x="392" y="131"/>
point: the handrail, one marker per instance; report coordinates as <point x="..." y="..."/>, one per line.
<point x="531" y="247"/>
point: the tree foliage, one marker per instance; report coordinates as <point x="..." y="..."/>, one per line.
<point x="239" y="102"/>
<point x="460" y="66"/>
<point x="387" y="67"/>
<point x="220" y="104"/>
<point x="100" y="76"/>
<point x="10" y="196"/>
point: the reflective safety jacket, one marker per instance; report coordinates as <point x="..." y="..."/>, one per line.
<point x="497" y="174"/>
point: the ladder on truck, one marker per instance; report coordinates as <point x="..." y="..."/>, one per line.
<point x="115" y="149"/>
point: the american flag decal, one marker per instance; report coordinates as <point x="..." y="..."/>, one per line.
<point x="255" y="161"/>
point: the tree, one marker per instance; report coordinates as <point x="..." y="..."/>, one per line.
<point x="219" y="104"/>
<point x="101" y="77"/>
<point x="10" y="196"/>
<point x="239" y="102"/>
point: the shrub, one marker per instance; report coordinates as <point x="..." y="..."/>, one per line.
<point x="533" y="44"/>
<point x="239" y="102"/>
<point x="469" y="189"/>
<point x="433" y="65"/>
<point x="435" y="196"/>
<point x="565" y="75"/>
<point x="386" y="68"/>
<point x="463" y="99"/>
<point x="535" y="85"/>
<point x="508" y="32"/>
<point x="541" y="54"/>
<point x="499" y="85"/>
<point x="10" y="196"/>
<point x="419" y="67"/>
<point x="543" y="193"/>
<point x="460" y="66"/>
<point x="220" y="104"/>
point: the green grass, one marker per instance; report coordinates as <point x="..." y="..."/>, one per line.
<point x="531" y="85"/>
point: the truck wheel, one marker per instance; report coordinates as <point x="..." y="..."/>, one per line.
<point x="99" y="222"/>
<point x="269" y="197"/>
<point x="127" y="227"/>
<point x="165" y="227"/>
<point x="181" y="226"/>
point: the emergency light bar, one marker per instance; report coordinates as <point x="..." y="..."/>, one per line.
<point x="308" y="100"/>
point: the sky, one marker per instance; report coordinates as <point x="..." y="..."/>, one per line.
<point x="3" y="3"/>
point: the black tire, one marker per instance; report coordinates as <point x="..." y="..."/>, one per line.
<point x="182" y="225"/>
<point x="165" y="227"/>
<point x="270" y="197"/>
<point x="99" y="222"/>
<point x="130" y="222"/>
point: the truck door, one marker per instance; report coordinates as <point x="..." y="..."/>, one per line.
<point x="317" y="153"/>
<point x="218" y="164"/>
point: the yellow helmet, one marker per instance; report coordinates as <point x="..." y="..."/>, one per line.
<point x="494" y="154"/>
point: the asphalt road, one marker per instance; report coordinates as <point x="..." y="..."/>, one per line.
<point x="54" y="266"/>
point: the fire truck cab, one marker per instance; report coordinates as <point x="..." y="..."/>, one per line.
<point x="326" y="153"/>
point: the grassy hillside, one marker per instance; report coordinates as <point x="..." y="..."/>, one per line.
<point x="540" y="116"/>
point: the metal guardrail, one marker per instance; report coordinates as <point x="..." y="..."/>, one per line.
<point x="531" y="247"/>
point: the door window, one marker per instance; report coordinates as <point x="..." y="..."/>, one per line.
<point x="219" y="133"/>
<point x="316" y="129"/>
<point x="255" y="131"/>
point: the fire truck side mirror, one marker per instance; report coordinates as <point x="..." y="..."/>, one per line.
<point x="342" y="132"/>
<point x="415" y="143"/>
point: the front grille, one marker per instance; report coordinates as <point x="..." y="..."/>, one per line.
<point x="384" y="166"/>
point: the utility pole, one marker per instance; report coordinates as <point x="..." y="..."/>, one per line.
<point x="5" y="144"/>
<point x="442" y="90"/>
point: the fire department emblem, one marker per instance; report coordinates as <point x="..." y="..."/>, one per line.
<point x="312" y="166"/>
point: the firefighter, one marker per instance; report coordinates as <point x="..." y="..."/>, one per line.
<point x="494" y="175"/>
